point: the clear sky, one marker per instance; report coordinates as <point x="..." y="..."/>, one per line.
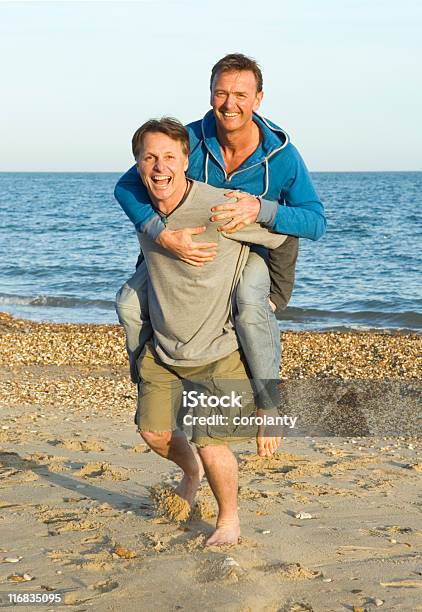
<point x="342" y="77"/>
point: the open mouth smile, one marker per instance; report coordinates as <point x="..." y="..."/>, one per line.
<point x="161" y="180"/>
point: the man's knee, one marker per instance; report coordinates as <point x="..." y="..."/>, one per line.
<point x="253" y="314"/>
<point x="254" y="293"/>
<point x="156" y="439"/>
<point x="127" y="301"/>
<point x="211" y="453"/>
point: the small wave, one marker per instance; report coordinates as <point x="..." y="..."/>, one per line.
<point x="54" y="301"/>
<point x="369" y="318"/>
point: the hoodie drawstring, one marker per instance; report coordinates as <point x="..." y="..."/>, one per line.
<point x="267" y="179"/>
<point x="207" y="156"/>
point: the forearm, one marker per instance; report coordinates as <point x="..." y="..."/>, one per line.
<point x="303" y="220"/>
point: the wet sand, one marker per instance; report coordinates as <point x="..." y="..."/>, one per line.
<point x="81" y="511"/>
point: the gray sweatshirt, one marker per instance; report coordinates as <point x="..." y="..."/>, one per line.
<point x="192" y="309"/>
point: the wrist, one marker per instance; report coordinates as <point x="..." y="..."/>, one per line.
<point x="161" y="238"/>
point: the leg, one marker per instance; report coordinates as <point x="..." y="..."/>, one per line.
<point x="132" y="310"/>
<point x="257" y="329"/>
<point x="174" y="446"/>
<point x="258" y="332"/>
<point x="222" y="473"/>
<point x="159" y="400"/>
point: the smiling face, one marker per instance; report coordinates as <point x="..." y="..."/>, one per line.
<point x="234" y="98"/>
<point x="162" y="164"/>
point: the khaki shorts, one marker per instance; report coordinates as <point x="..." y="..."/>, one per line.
<point x="163" y="398"/>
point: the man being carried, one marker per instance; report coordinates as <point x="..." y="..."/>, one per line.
<point x="234" y="148"/>
<point x="192" y="315"/>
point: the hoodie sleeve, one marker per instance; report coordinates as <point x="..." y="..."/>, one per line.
<point x="133" y="197"/>
<point x="299" y="211"/>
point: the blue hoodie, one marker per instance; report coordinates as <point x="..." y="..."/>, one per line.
<point x="275" y="170"/>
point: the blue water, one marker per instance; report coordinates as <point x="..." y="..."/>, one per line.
<point x="67" y="247"/>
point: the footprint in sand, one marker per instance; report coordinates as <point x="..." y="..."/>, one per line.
<point x="296" y="606"/>
<point x="292" y="571"/>
<point x="103" y="471"/>
<point x="105" y="586"/>
<point x="226" y="569"/>
<point x="79" y="445"/>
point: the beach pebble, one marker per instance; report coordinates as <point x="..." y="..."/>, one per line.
<point x="12" y="559"/>
<point x="265" y="531"/>
<point x="327" y="580"/>
<point x="123" y="553"/>
<point x="5" y="427"/>
<point x="378" y="602"/>
<point x="20" y="578"/>
<point x="393" y="541"/>
<point x="303" y="515"/>
<point x="230" y="562"/>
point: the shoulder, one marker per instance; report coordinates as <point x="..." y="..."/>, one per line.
<point x="208" y="192"/>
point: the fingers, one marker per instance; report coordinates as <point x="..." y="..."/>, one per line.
<point x="228" y="214"/>
<point x="198" y="255"/>
<point x="237" y="194"/>
<point x="195" y="230"/>
<point x="192" y="262"/>
<point x="232" y="226"/>
<point x="197" y="258"/>
<point x="205" y="245"/>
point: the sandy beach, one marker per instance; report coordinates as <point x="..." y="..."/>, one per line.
<point x="329" y="523"/>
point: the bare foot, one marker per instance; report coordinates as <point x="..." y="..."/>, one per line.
<point x="227" y="532"/>
<point x="189" y="485"/>
<point x="269" y="436"/>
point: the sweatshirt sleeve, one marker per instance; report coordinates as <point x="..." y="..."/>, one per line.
<point x="133" y="197"/>
<point x="256" y="234"/>
<point x="299" y="210"/>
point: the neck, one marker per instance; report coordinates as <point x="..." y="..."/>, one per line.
<point x="167" y="205"/>
<point x="245" y="138"/>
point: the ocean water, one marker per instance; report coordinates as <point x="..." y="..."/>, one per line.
<point x="67" y="247"/>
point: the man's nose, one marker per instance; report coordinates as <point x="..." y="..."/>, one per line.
<point x="159" y="165"/>
<point x="229" y="102"/>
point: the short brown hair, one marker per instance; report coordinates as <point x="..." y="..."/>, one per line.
<point x="166" y="125"/>
<point x="235" y="62"/>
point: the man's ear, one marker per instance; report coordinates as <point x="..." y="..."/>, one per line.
<point x="258" y="100"/>
<point x="186" y="165"/>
